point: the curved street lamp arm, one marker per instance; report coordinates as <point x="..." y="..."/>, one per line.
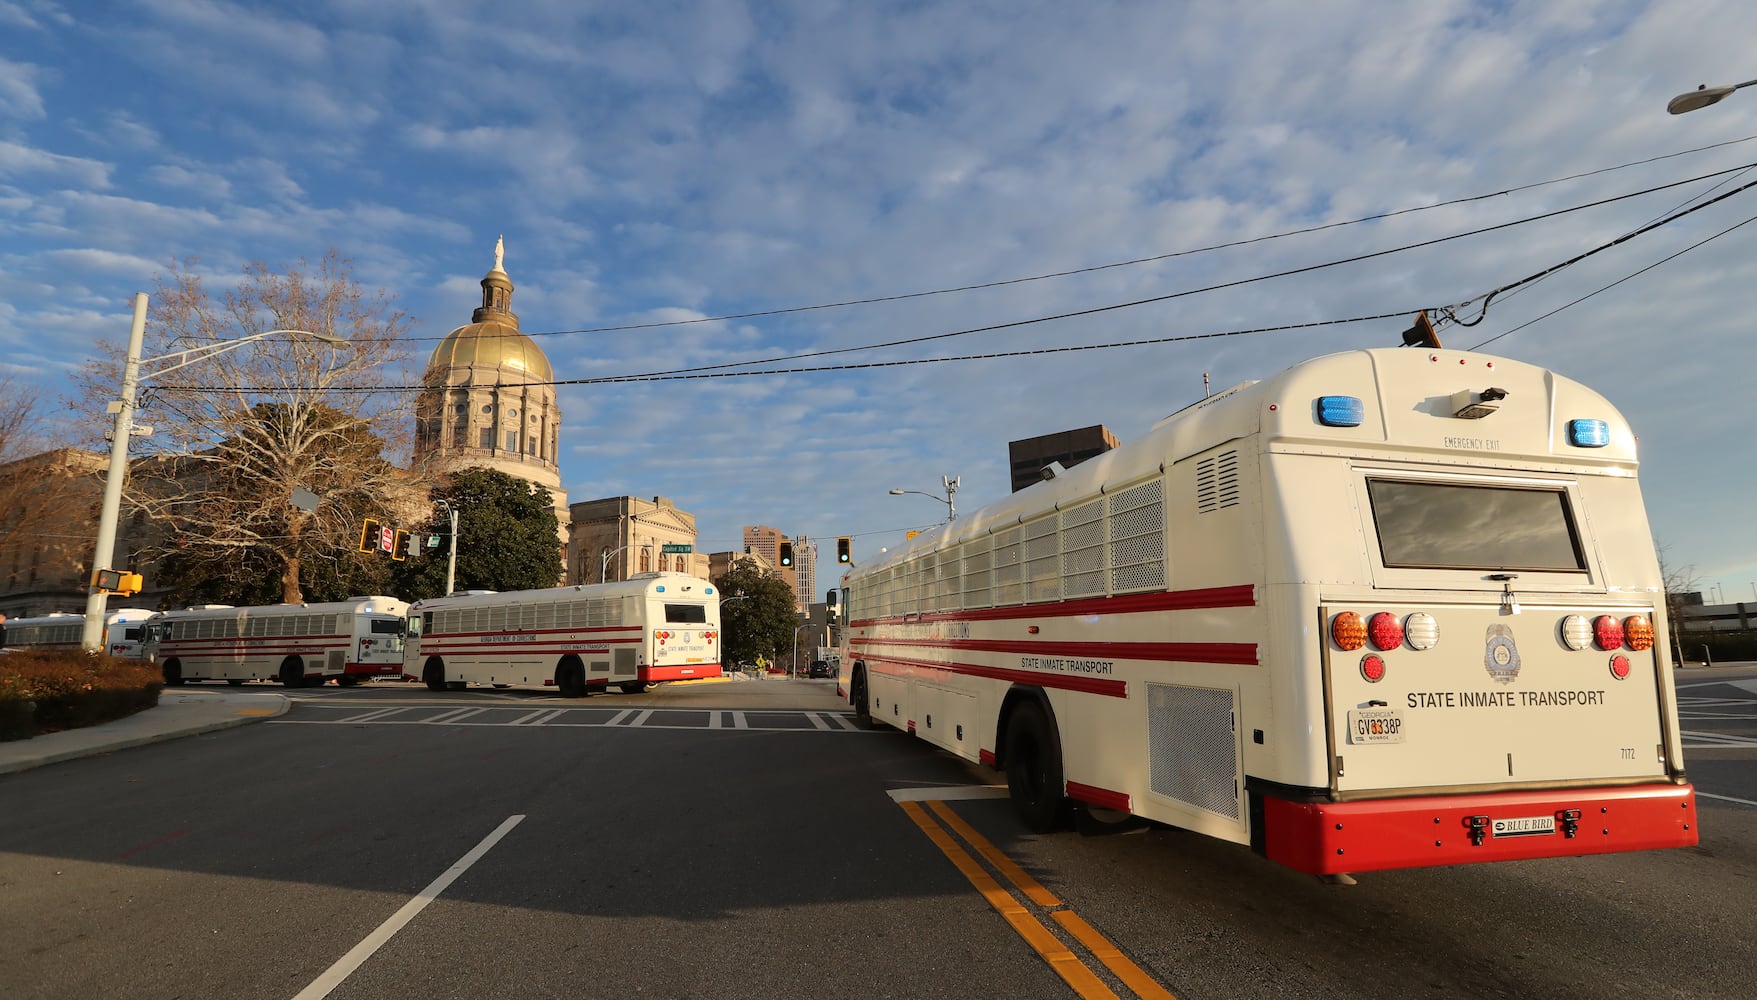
<point x="221" y="347"/>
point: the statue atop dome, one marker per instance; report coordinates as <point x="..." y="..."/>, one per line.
<point x="500" y="254"/>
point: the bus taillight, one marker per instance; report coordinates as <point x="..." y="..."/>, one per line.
<point x="1576" y="633"/>
<point x="1607" y="632"/>
<point x="1638" y="632"/>
<point x="1385" y="631"/>
<point x="1372" y="667"/>
<point x="1421" y="631"/>
<point x="1347" y="631"/>
<point x="1620" y="666"/>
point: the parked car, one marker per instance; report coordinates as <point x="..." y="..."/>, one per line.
<point x="822" y="668"/>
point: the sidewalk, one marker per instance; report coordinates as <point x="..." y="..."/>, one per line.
<point x="178" y="713"/>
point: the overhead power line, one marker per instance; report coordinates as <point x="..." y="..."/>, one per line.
<point x="1001" y="283"/>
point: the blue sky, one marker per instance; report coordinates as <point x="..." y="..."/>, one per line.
<point x="676" y="160"/>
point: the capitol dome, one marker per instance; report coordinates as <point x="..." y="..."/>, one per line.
<point x="492" y="343"/>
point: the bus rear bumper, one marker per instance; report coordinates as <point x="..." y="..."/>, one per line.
<point x="1371" y="835"/>
<point x="680" y="672"/>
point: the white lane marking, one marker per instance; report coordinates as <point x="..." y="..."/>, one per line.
<point x="641" y="719"/>
<point x="738" y="721"/>
<point x="455" y="715"/>
<point x="345" y="966"/>
<point x="1721" y="739"/>
<point x="616" y="720"/>
<point x="521" y="720"/>
<point x="818" y="722"/>
<point x="948" y="794"/>
<point x="382" y="713"/>
<point x="714" y="719"/>
<point x="1724" y="798"/>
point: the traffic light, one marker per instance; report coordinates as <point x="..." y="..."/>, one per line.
<point x="369" y="536"/>
<point x="115" y="581"/>
<point x="1421" y="332"/>
<point x="786" y="553"/>
<point x="844" y="549"/>
<point x="402" y="547"/>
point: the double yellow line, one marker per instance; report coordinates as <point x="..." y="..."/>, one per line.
<point x="1066" y="964"/>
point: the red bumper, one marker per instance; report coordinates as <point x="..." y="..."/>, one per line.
<point x="681" y="672"/>
<point x="1331" y="837"/>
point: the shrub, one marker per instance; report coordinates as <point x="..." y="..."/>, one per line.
<point x="45" y="692"/>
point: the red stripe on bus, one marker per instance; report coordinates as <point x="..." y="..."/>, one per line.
<point x="1239" y="596"/>
<point x="561" y="646"/>
<point x="1244" y="653"/>
<point x="1065" y="682"/>
<point x="1102" y="797"/>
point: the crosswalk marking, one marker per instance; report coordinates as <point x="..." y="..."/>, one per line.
<point x="583" y="716"/>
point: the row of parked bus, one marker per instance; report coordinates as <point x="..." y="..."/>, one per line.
<point x="632" y="634"/>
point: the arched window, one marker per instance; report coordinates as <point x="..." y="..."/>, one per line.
<point x="679" y="564"/>
<point x="646" y="559"/>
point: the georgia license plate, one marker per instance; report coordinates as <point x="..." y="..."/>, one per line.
<point x="1523" y="826"/>
<point x="1375" y="725"/>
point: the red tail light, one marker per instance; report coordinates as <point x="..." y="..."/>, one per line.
<point x="1385" y="631"/>
<point x="1372" y="667"/>
<point x="1607" y="632"/>
<point x="1347" y="631"/>
<point x="1638" y="632"/>
<point x="1619" y="666"/>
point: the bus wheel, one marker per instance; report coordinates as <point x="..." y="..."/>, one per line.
<point x="293" y="672"/>
<point x="173" y="672"/>
<point x="235" y="681"/>
<point x="857" y="695"/>
<point x="638" y="687"/>
<point x="434" y="674"/>
<point x="1034" y="770"/>
<point x="347" y="682"/>
<point x="570" y="678"/>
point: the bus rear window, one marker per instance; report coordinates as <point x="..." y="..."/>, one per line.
<point x="686" y="614"/>
<point x="386" y="626"/>
<point x="1458" y="526"/>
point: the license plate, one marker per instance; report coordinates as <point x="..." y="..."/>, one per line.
<point x="1375" y="725"/>
<point x="1523" y="826"/>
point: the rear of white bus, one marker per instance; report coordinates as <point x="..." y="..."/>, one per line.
<point x="1475" y="613"/>
<point x="682" y="636"/>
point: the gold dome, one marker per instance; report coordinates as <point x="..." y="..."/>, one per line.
<point x="494" y="345"/>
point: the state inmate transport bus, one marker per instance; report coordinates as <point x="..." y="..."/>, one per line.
<point x="633" y="633"/>
<point x="1387" y="609"/>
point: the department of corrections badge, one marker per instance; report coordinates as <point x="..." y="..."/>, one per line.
<point x="1500" y="655"/>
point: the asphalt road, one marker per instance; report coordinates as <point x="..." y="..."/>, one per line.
<point x="744" y="840"/>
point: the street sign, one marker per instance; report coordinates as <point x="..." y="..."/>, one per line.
<point x="433" y="541"/>
<point x="387" y="539"/>
<point x="675" y="549"/>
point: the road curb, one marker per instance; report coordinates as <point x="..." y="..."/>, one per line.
<point x="91" y="748"/>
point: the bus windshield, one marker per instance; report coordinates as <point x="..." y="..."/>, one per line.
<point x="1467" y="526"/>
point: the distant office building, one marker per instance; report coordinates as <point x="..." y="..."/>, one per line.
<point x="721" y="563"/>
<point x="766" y="542"/>
<point x="805" y="572"/>
<point x="1029" y="456"/>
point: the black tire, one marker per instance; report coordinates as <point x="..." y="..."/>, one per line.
<point x="173" y="672"/>
<point x="434" y="674"/>
<point x="347" y="681"/>
<point x="293" y="672"/>
<point x="235" y="681"/>
<point x="1034" y="770"/>
<point x="638" y="687"/>
<point x="570" y="679"/>
<point x="857" y="695"/>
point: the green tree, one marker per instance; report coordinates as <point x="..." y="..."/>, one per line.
<point x="757" y="614"/>
<point x="507" y="538"/>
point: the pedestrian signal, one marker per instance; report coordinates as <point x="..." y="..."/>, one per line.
<point x="369" y="536"/>
<point x="115" y="581"/>
<point x="844" y="549"/>
<point x="403" y="546"/>
<point x="786" y="553"/>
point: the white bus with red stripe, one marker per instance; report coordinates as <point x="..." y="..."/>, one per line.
<point x="1387" y="609"/>
<point x="63" y="632"/>
<point x="297" y="644"/>
<point x="633" y="633"/>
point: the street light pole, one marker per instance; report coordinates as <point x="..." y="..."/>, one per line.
<point x="951" y="485"/>
<point x="92" y="636"/>
<point x="92" y="632"/>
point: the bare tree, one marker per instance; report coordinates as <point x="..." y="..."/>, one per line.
<point x="1681" y="583"/>
<point x="236" y="431"/>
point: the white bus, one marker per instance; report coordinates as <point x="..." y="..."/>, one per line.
<point x="634" y="634"/>
<point x="1387" y="609"/>
<point x="296" y="644"/>
<point x="62" y="632"/>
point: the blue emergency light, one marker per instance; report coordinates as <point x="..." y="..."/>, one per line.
<point x="1340" y="411"/>
<point x="1589" y="433"/>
